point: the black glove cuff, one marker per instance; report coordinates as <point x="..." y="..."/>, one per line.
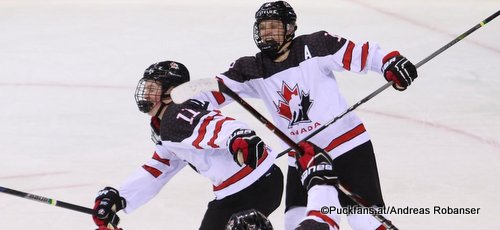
<point x="113" y="196"/>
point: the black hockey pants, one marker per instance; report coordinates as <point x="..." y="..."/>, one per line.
<point x="264" y="196"/>
<point x="356" y="170"/>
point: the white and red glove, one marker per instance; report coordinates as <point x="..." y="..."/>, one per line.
<point x="107" y="203"/>
<point x="247" y="148"/>
<point x="398" y="69"/>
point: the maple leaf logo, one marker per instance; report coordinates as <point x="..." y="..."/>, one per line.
<point x="295" y="105"/>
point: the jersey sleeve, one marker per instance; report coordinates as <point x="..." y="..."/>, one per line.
<point x="148" y="180"/>
<point x="216" y="100"/>
<point x="354" y="57"/>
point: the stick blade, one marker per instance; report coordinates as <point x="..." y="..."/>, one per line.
<point x="190" y="89"/>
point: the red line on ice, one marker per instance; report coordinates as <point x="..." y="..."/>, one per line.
<point x="32" y="175"/>
<point x="62" y="85"/>
<point x="58" y="187"/>
<point x="420" y="24"/>
<point x="438" y="126"/>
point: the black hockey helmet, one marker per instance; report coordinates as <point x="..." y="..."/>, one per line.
<point x="249" y="220"/>
<point x="167" y="73"/>
<point x="278" y="10"/>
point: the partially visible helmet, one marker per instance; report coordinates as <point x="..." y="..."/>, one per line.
<point x="166" y="74"/>
<point x="249" y="220"/>
<point x="278" y="10"/>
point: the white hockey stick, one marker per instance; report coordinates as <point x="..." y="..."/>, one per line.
<point x="190" y="89"/>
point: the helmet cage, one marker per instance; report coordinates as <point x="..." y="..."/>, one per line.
<point x="147" y="93"/>
<point x="157" y="80"/>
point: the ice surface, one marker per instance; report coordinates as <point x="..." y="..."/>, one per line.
<point x="70" y="126"/>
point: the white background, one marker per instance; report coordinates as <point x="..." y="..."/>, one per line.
<point x="69" y="124"/>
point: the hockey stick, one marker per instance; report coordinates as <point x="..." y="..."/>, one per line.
<point x="376" y="92"/>
<point x="188" y="90"/>
<point x="354" y="197"/>
<point x="46" y="200"/>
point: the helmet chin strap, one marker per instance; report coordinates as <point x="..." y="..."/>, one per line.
<point x="281" y="50"/>
<point x="163" y="104"/>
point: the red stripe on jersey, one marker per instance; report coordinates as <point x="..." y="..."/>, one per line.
<point x="155" y="172"/>
<point x="202" y="131"/>
<point x="348" y="56"/>
<point x="381" y="227"/>
<point x="364" y="55"/>
<point x="345" y="137"/>
<point x="324" y="217"/>
<point x="218" y="127"/>
<point x="162" y="160"/>
<point x="219" y="97"/>
<point x="239" y="175"/>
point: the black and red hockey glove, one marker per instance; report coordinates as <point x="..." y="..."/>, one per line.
<point x="247" y="148"/>
<point x="398" y="69"/>
<point x="315" y="165"/>
<point x="107" y="203"/>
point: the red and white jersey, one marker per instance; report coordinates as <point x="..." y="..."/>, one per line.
<point x="192" y="135"/>
<point x="302" y="92"/>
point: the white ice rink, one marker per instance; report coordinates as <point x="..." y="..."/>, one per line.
<point x="69" y="124"/>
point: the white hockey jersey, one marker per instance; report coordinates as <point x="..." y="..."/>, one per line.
<point x="301" y="93"/>
<point x="192" y="135"/>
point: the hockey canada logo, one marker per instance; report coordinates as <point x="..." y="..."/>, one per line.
<point x="295" y="105"/>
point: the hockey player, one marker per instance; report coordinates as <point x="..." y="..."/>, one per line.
<point x="318" y="178"/>
<point x="295" y="79"/>
<point x="225" y="151"/>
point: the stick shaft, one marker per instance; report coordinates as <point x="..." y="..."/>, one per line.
<point x="357" y="199"/>
<point x="459" y="38"/>
<point x="256" y="114"/>
<point x="382" y="88"/>
<point x="46" y="200"/>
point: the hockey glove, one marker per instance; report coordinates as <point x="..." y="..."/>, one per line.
<point x="399" y="70"/>
<point x="246" y="147"/>
<point x="315" y="165"/>
<point x="107" y="203"/>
